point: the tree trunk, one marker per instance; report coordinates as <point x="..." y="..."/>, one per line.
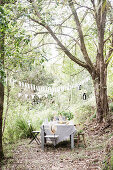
<point x="103" y="88"/>
<point x="2" y="37"/>
<point x="1" y="90"/>
<point x="7" y="103"/>
<point x="1" y="113"/>
<point x="100" y="88"/>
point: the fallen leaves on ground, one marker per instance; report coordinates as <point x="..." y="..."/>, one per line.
<point x="31" y="157"/>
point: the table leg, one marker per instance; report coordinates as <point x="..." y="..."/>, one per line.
<point x="72" y="141"/>
<point x="42" y="139"/>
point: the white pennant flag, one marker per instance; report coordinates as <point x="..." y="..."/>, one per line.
<point x="32" y="96"/>
<point x="67" y="88"/>
<point x="10" y="80"/>
<point x="19" y="94"/>
<point x="20" y="83"/>
<point x="49" y="89"/>
<point x="52" y="93"/>
<point x="28" y="86"/>
<point x="46" y="95"/>
<point x="31" y="86"/>
<point x="41" y="88"/>
<point x="39" y="96"/>
<point x="13" y="83"/>
<point x="26" y="95"/>
<point x="25" y="84"/>
<point x="37" y="88"/>
<point x="34" y="88"/>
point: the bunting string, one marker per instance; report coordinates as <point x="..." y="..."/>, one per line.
<point x="41" y="91"/>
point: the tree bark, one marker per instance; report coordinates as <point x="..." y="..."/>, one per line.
<point x="2" y="72"/>
<point x="7" y="103"/>
<point x="1" y="89"/>
<point x="2" y="37"/>
<point x="100" y="88"/>
<point x="1" y="113"/>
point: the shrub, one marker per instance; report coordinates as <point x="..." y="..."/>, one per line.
<point x="50" y="116"/>
<point x="84" y="113"/>
<point x="23" y="129"/>
<point x="9" y="137"/>
<point x="68" y="115"/>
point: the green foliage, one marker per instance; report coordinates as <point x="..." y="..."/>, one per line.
<point x="67" y="114"/>
<point x="3" y="21"/>
<point x="85" y="112"/>
<point x="19" y="129"/>
<point x="20" y="58"/>
<point x="34" y="74"/>
<point x="15" y="36"/>
<point x="9" y="1"/>
<point x="21" y="120"/>
<point x="50" y="117"/>
<point x="23" y="129"/>
<point x="10" y="137"/>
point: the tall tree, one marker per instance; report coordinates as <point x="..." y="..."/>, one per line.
<point x="3" y="27"/>
<point x="99" y="14"/>
<point x="2" y="35"/>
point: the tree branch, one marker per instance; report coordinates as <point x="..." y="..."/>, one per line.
<point x="38" y="33"/>
<point x="82" y="6"/>
<point x="38" y="47"/>
<point x="66" y="51"/>
<point x="86" y="65"/>
<point x="65" y="20"/>
<point x="79" y="29"/>
<point x="107" y="39"/>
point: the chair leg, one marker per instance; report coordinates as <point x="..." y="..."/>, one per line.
<point x="78" y="139"/>
<point x="35" y="137"/>
<point x="37" y="140"/>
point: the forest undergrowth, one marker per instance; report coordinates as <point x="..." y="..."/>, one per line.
<point x="98" y="155"/>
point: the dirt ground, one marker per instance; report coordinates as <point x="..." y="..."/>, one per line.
<point x="31" y="157"/>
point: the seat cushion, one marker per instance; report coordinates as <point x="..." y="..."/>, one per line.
<point x="51" y="136"/>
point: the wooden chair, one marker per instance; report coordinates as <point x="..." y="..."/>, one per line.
<point x="79" y="139"/>
<point x="78" y="136"/>
<point x="35" y="136"/>
<point x="51" y="137"/>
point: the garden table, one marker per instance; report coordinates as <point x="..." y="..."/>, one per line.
<point x="63" y="132"/>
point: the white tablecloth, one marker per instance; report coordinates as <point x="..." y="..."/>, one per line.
<point x="63" y="130"/>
